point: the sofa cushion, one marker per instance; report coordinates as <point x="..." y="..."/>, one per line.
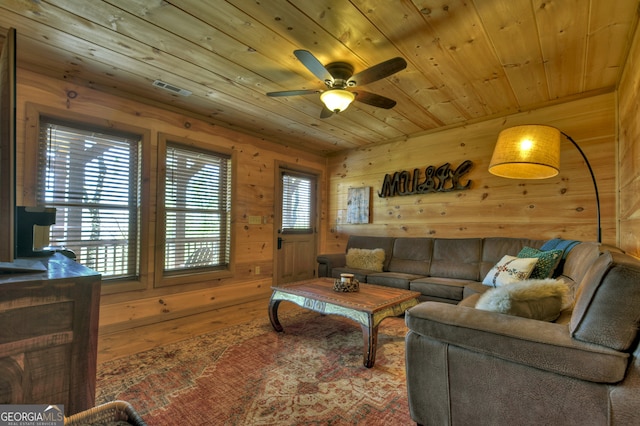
<point x="535" y="299"/>
<point x="474" y="288"/>
<point x="547" y="262"/>
<point x="576" y="263"/>
<point x="494" y="248"/>
<point x="392" y="279"/>
<point x="372" y="260"/>
<point x="471" y="301"/>
<point x="438" y="288"/>
<point x="358" y="274"/>
<point x="607" y="307"/>
<point x="509" y="270"/>
<point x="326" y="262"/>
<point x="456" y="258"/>
<point x="411" y="255"/>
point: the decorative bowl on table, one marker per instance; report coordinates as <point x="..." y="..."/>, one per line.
<point x="344" y="286"/>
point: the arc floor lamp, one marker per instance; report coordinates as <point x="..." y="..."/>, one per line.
<point x="533" y="152"/>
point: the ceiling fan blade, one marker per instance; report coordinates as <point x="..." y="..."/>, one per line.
<point x="326" y="112"/>
<point x="293" y="93"/>
<point x="313" y="65"/>
<point x="374" y="100"/>
<point x="378" y="72"/>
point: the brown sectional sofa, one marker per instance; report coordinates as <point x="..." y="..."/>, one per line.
<point x="446" y="269"/>
<point x="468" y="366"/>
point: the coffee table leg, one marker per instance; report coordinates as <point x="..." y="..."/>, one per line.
<point x="273" y="315"/>
<point x="370" y="338"/>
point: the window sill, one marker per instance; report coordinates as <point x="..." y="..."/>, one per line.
<point x="193" y="277"/>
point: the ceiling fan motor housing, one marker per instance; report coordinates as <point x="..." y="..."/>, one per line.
<point x="341" y="73"/>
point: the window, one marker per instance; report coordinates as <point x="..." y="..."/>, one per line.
<point x="197" y="210"/>
<point x="92" y="178"/>
<point x="297" y="203"/>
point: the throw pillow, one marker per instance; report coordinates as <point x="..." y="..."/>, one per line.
<point x="535" y="299"/>
<point x="547" y="261"/>
<point x="372" y="260"/>
<point x="509" y="270"/>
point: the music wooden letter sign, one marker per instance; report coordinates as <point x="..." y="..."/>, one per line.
<point x="440" y="179"/>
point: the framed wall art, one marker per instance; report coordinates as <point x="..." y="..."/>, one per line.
<point x="358" y="207"/>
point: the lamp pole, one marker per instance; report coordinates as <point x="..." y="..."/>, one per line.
<point x="593" y="178"/>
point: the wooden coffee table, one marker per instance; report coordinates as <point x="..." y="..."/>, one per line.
<point x="368" y="307"/>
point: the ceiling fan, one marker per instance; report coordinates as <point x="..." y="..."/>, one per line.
<point x="338" y="77"/>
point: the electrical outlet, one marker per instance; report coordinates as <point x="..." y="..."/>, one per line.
<point x="255" y="220"/>
<point x="257" y="270"/>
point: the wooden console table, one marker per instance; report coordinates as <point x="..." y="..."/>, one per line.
<point x="49" y="335"/>
<point x="368" y="307"/>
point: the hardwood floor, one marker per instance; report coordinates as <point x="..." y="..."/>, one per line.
<point x="124" y="343"/>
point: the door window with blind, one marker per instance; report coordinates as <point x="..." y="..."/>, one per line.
<point x="92" y="177"/>
<point x="197" y="210"/>
<point x="297" y="203"/>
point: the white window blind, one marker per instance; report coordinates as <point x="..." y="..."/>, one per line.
<point x="297" y="202"/>
<point x="197" y="209"/>
<point x="92" y="179"/>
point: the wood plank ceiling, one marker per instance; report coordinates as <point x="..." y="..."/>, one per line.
<point x="467" y="59"/>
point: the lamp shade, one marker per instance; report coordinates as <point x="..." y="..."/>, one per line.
<point x="527" y="152"/>
<point x="337" y="100"/>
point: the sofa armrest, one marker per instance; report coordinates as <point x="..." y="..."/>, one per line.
<point x="543" y="345"/>
<point x="326" y="262"/>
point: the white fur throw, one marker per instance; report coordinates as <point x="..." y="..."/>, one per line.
<point x="536" y="299"/>
<point x="372" y="260"/>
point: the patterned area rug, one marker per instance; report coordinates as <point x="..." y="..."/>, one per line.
<point x="312" y="374"/>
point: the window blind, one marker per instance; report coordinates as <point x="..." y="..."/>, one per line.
<point x="197" y="209"/>
<point x="92" y="179"/>
<point x="296" y="203"/>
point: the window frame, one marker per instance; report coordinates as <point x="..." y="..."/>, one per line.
<point x="34" y="113"/>
<point x="198" y="274"/>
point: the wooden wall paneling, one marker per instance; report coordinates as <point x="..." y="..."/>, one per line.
<point x="254" y="247"/>
<point x="255" y="159"/>
<point x="563" y="206"/>
<point x="629" y="158"/>
<point x="142" y="311"/>
<point x="478" y="229"/>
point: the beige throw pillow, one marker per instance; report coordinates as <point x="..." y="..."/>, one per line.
<point x="372" y="260"/>
<point x="536" y="299"/>
<point x="510" y="270"/>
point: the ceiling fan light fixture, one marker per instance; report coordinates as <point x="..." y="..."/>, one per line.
<point x="337" y="100"/>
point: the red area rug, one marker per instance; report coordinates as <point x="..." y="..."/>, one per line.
<point x="312" y="374"/>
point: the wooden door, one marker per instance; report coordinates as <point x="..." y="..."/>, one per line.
<point x="296" y="223"/>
